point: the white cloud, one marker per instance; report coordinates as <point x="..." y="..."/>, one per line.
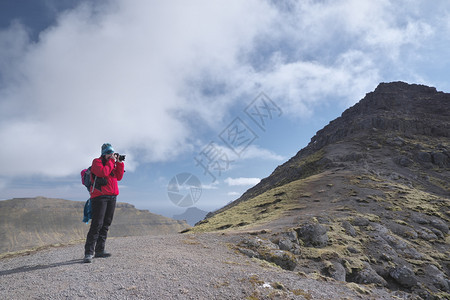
<point x="242" y="181"/>
<point x="301" y="85"/>
<point x="136" y="73"/>
<point x="217" y="150"/>
<point x="211" y="186"/>
<point x="118" y="76"/>
<point x="254" y="151"/>
<point x="234" y="194"/>
<point x="339" y="50"/>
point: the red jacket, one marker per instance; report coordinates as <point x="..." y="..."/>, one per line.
<point x="113" y="171"/>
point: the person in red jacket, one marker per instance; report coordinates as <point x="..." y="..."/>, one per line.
<point x="106" y="171"/>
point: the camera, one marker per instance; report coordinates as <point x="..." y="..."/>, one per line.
<point x="119" y="157"/>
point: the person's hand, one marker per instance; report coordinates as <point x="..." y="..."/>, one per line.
<point x="118" y="156"/>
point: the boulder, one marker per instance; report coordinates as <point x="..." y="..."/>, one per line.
<point x="248" y="252"/>
<point x="438" y="233"/>
<point x="382" y="230"/>
<point x="335" y="270"/>
<point x="437" y="277"/>
<point x="353" y="250"/>
<point x="292" y="236"/>
<point x="426" y="234"/>
<point x="367" y="275"/>
<point x="349" y="229"/>
<point x="403" y="161"/>
<point x="313" y="235"/>
<point x="380" y="249"/>
<point x="287" y="245"/>
<point x="282" y="258"/>
<point x="266" y="250"/>
<point x="360" y="221"/>
<point x="424" y="157"/>
<point x="440" y="225"/>
<point x="396" y="141"/>
<point x="439" y="158"/>
<point x="404" y="231"/>
<point x="404" y="276"/>
<point x="402" y="247"/>
<point x="395" y="242"/>
<point x="420" y="219"/>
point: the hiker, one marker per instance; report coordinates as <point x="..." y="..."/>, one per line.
<point x="106" y="171"/>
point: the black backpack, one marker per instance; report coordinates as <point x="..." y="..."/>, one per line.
<point x="86" y="180"/>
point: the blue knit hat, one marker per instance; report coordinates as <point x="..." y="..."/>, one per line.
<point x="107" y="149"/>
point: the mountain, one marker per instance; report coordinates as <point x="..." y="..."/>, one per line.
<point x="192" y="215"/>
<point x="366" y="201"/>
<point x="35" y="222"/>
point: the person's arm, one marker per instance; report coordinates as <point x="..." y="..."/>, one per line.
<point x="101" y="170"/>
<point x="120" y="169"/>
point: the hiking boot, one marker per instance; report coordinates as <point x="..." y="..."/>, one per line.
<point x="88" y="258"/>
<point x="102" y="254"/>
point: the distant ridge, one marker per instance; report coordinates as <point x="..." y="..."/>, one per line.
<point x="34" y="222"/>
<point x="192" y="215"/>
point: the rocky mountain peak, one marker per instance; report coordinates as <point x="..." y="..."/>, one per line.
<point x="396" y="108"/>
<point x="393" y="110"/>
<point x="402" y="87"/>
<point x="401" y="97"/>
<point x="410" y="109"/>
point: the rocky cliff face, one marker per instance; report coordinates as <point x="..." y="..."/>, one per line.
<point x="28" y="223"/>
<point x="367" y="201"/>
<point x="397" y="107"/>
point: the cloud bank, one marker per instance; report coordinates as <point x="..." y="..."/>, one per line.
<point x="242" y="181"/>
<point x="144" y="75"/>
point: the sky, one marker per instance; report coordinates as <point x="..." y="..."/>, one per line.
<point x="205" y="98"/>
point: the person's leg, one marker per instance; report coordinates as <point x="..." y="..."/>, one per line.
<point x="103" y="233"/>
<point x="99" y="206"/>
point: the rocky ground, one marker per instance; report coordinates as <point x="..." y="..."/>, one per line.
<point x="188" y="266"/>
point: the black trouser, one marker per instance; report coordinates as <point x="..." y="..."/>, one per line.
<point x="102" y="215"/>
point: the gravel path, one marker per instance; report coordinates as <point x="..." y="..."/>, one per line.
<point x="162" y="267"/>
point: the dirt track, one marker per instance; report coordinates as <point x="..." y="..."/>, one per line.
<point x="163" y="267"/>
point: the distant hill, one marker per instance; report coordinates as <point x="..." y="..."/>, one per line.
<point x="27" y="223"/>
<point x="192" y="215"/>
<point x="367" y="201"/>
